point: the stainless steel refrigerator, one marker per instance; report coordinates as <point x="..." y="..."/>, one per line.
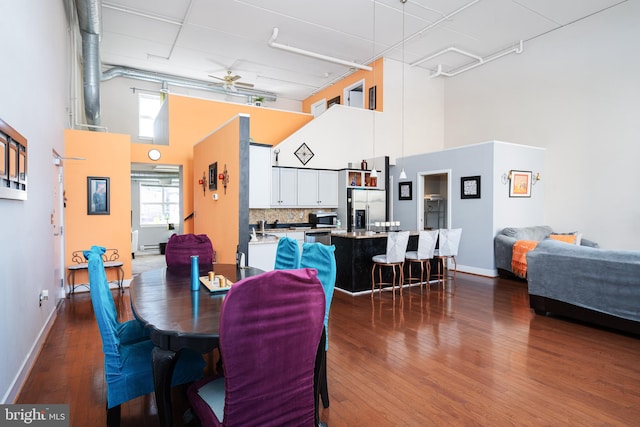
<point x="364" y="208"/>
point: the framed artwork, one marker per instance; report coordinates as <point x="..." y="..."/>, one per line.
<point x="372" y="98"/>
<point x="405" y="190"/>
<point x="213" y="176"/>
<point x="333" y="101"/>
<point x="520" y="184"/>
<point x="470" y="187"/>
<point x="97" y="195"/>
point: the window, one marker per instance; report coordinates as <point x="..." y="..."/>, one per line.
<point x="159" y="205"/>
<point x="148" y="107"/>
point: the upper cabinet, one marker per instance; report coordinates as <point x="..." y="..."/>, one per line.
<point x="284" y="187"/>
<point x="259" y="177"/>
<point x="317" y="188"/>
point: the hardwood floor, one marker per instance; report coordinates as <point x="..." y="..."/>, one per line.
<point x="479" y="357"/>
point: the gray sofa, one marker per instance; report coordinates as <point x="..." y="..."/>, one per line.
<point x="592" y="285"/>
<point x="505" y="239"/>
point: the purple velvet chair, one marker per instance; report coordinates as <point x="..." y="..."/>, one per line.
<point x="272" y="344"/>
<point x="180" y="247"/>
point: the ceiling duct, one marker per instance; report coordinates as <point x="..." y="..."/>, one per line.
<point x="153" y="175"/>
<point x="164" y="79"/>
<point x="90" y="23"/>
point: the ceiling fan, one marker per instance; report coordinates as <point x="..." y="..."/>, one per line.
<point x="229" y="82"/>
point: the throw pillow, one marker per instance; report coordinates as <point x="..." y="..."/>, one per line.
<point x="571" y="238"/>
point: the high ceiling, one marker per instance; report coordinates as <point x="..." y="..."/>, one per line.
<point x="198" y="38"/>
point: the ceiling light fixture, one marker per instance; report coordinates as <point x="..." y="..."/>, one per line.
<point x="273" y="44"/>
<point x="403" y="174"/>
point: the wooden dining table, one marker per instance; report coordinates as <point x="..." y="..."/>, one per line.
<point x="178" y="318"/>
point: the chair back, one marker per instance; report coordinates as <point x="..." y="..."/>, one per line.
<point x="270" y="330"/>
<point x="104" y="307"/>
<point x="287" y="254"/>
<point x="322" y="258"/>
<point x="397" y="246"/>
<point x="449" y="241"/>
<point x="181" y="247"/>
<point x="427" y="243"/>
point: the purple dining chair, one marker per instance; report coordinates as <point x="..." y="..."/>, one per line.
<point x="272" y="343"/>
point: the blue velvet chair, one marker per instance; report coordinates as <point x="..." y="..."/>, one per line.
<point x="322" y="258"/>
<point x="287" y="254"/>
<point x="271" y="338"/>
<point x="127" y="355"/>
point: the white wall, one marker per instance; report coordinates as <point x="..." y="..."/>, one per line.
<point x="574" y="92"/>
<point x="344" y="134"/>
<point x="34" y="81"/>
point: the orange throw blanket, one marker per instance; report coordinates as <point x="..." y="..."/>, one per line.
<point x="519" y="256"/>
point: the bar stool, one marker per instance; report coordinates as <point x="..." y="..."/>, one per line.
<point x="449" y="242"/>
<point x="426" y="248"/>
<point x="394" y="257"/>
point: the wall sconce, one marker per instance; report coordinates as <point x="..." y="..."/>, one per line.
<point x="224" y="177"/>
<point x="203" y="182"/>
<point x="506" y="177"/>
<point x="535" y="178"/>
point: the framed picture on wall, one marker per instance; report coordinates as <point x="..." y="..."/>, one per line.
<point x="520" y="184"/>
<point x="372" y="98"/>
<point x="333" y="101"/>
<point x="98" y="202"/>
<point x="405" y="190"/>
<point x="470" y="187"/>
<point x="213" y="176"/>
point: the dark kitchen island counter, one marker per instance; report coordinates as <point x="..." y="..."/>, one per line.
<point x="353" y="257"/>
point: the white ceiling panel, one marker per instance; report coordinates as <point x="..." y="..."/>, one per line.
<point x="234" y="34"/>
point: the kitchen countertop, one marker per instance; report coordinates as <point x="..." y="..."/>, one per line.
<point x="366" y="234"/>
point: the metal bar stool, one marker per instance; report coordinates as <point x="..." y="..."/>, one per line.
<point x="449" y="241"/>
<point x="394" y="257"/>
<point x="426" y="249"/>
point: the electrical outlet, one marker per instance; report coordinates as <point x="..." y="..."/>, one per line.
<point x="44" y="295"/>
<point x="301" y="215"/>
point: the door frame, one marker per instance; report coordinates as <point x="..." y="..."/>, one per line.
<point x="349" y="89"/>
<point x="57" y="225"/>
<point x="420" y="195"/>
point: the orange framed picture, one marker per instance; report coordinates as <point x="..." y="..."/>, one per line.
<point x="520" y="184"/>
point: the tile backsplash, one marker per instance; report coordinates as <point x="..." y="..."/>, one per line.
<point x="283" y="215"/>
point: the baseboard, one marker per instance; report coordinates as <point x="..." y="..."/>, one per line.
<point x="25" y="369"/>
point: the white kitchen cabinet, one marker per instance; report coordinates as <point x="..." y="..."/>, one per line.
<point x="259" y="177"/>
<point x="317" y="188"/>
<point x="284" y="187"/>
<point x="263" y="255"/>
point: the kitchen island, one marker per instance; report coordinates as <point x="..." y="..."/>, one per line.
<point x="354" y="251"/>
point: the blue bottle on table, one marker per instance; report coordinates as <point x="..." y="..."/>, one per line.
<point x="195" y="273"/>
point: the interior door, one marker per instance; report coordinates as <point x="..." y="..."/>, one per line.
<point x="57" y="225"/>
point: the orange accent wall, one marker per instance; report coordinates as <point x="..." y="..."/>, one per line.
<point x="107" y="155"/>
<point x="219" y="219"/>
<point x="337" y="88"/>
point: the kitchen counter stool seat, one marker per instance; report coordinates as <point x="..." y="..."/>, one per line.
<point x="394" y="257"/>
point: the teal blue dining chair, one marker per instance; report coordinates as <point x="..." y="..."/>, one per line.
<point x="322" y="258"/>
<point x="127" y="357"/>
<point x="287" y="254"/>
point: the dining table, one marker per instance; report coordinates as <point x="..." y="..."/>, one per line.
<point x="178" y="318"/>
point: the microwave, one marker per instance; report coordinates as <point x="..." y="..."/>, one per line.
<point x="323" y="219"/>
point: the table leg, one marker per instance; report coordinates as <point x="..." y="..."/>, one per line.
<point x="163" y="363"/>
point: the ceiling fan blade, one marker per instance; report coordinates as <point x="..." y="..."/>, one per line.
<point x="234" y="78"/>
<point x="216" y="77"/>
<point x="243" y="84"/>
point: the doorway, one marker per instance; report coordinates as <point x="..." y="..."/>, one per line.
<point x="434" y="203"/>
<point x="354" y="95"/>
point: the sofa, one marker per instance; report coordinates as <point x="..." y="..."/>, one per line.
<point x="588" y="284"/>
<point x="507" y="237"/>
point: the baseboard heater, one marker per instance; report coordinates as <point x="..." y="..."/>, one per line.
<point x="155" y="247"/>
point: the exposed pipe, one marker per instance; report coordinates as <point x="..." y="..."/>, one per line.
<point x="272" y="43"/>
<point x="482" y="61"/>
<point x="89" y="21"/>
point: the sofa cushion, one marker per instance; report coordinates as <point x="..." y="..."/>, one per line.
<point x="537" y="233"/>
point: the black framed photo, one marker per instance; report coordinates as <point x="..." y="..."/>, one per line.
<point x="213" y="176"/>
<point x="372" y="98"/>
<point x="405" y="190"/>
<point x="97" y="195"/>
<point x="470" y="187"/>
